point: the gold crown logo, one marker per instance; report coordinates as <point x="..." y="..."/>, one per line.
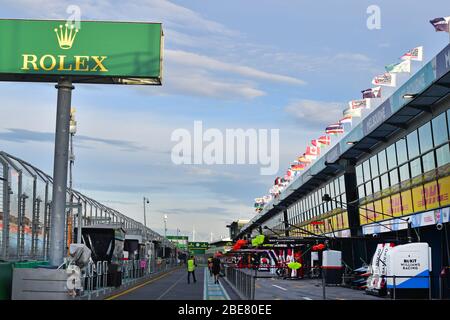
<point x="66" y="36"/>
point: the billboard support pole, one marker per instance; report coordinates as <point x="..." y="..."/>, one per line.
<point x="60" y="164"/>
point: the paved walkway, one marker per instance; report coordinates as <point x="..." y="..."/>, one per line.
<point x="213" y="291"/>
<point x="173" y="286"/>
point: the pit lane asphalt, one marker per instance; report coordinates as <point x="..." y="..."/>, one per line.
<point x="171" y="286"/>
<point x="304" y="289"/>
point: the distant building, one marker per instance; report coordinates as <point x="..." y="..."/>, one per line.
<point x="236" y="226"/>
<point x="223" y="245"/>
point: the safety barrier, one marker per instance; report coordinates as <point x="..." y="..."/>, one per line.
<point x="242" y="281"/>
<point x="98" y="276"/>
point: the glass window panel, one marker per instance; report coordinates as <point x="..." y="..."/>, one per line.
<point x="391" y="157"/>
<point x="382" y="161"/>
<point x="376" y="185"/>
<point x="428" y="161"/>
<point x="336" y="187"/>
<point x="443" y="155"/>
<point x="334" y="191"/>
<point x="402" y="153"/>
<point x="369" y="188"/>
<point x="416" y="168"/>
<point x="342" y="183"/>
<point x="413" y="144"/>
<point x="361" y="191"/>
<point x="384" y="181"/>
<point x="374" y="166"/>
<point x="425" y="138"/>
<point x="404" y="172"/>
<point x="366" y="171"/>
<point x="359" y="175"/>
<point x="440" y="132"/>
<point x="394" y="177"/>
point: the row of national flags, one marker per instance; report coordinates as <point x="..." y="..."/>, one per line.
<point x="387" y="79"/>
<point x="354" y="110"/>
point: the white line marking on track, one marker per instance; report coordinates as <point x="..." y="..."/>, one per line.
<point x="274" y="285"/>
<point x="170" y="288"/>
<point x="306" y="298"/>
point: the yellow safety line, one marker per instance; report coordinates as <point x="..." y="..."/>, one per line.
<point x="139" y="286"/>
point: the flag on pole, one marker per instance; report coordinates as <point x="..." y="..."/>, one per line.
<point x="415" y="54"/>
<point x="441" y="24"/>
<point x="298" y="167"/>
<point x="404" y="66"/>
<point x="359" y="104"/>
<point x="315" y="143"/>
<point x="386" y="79"/>
<point x="347" y="119"/>
<point x="289" y="174"/>
<point x="324" y="140"/>
<point x="372" y="93"/>
<point x="334" y="129"/>
<point x="355" y="113"/>
<point x="312" y="152"/>
<point x="304" y="159"/>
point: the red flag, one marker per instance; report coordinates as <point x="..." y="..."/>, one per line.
<point x="312" y="151"/>
<point x="304" y="159"/>
<point x="325" y="140"/>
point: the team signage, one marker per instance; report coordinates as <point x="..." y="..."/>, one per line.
<point x="198" y="245"/>
<point x="96" y="52"/>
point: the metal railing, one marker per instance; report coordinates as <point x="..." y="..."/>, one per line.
<point x="395" y="284"/>
<point x="98" y="276"/>
<point x="21" y="182"/>
<point x="242" y="280"/>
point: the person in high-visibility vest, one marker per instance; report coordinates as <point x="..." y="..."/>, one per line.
<point x="191" y="269"/>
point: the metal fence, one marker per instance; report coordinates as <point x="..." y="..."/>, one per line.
<point x="25" y="212"/>
<point x="242" y="280"/>
<point x="98" y="276"/>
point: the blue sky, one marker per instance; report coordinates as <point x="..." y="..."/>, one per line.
<point x="291" y="65"/>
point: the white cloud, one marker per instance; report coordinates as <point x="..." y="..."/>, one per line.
<point x="196" y="82"/>
<point x="201" y="61"/>
<point x="315" y="112"/>
<point x="210" y="173"/>
<point x="355" y="57"/>
<point x="137" y="10"/>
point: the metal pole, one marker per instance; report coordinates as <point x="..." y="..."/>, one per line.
<point x="408" y="232"/>
<point x="165" y="235"/>
<point x="253" y="288"/>
<point x="323" y="285"/>
<point x="393" y="277"/>
<point x="80" y="223"/>
<point x="429" y="286"/>
<point x="60" y="162"/>
<point x="145" y="219"/>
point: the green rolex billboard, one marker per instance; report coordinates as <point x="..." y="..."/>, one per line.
<point x="96" y="52"/>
